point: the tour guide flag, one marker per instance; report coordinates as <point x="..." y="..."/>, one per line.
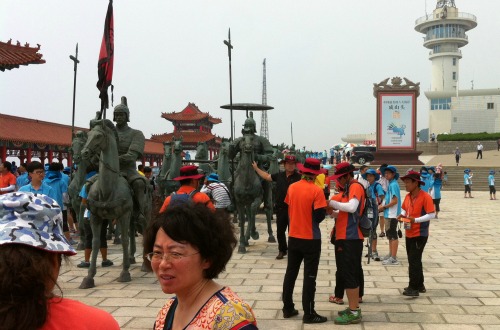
<point x="105" y="64"/>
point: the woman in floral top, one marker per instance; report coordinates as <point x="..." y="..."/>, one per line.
<point x="188" y="247"/>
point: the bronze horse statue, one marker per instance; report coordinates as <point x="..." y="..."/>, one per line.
<point x="77" y="181"/>
<point x="175" y="167"/>
<point x="202" y="154"/>
<point x="223" y="167"/>
<point x="165" y="166"/>
<point x="247" y="193"/>
<point x="110" y="197"/>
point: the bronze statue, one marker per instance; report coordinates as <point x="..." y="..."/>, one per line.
<point x="248" y="195"/>
<point x="109" y="197"/>
<point x="130" y="149"/>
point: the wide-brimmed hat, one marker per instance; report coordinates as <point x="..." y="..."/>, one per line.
<point x="310" y="166"/>
<point x="372" y="172"/>
<point x="189" y="172"/>
<point x="342" y="169"/>
<point x="289" y="159"/>
<point x="213" y="177"/>
<point x="33" y="220"/>
<point x="391" y="168"/>
<point x="415" y="176"/>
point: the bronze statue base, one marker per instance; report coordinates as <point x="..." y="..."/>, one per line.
<point x="400" y="157"/>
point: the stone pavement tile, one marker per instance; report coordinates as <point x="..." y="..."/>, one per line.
<point x="488" y="287"/>
<point x="76" y="292"/>
<point x="388" y="326"/>
<point x="250" y="288"/>
<point x="245" y="276"/>
<point x="267" y="313"/>
<point x="451" y="327"/>
<point x="122" y="320"/>
<point x="489" y="327"/>
<point x="461" y="280"/>
<point x="122" y="302"/>
<point x="372" y="305"/>
<point x="490" y="301"/>
<point x="455" y="301"/>
<point x="137" y="311"/>
<point x="488" y="280"/>
<point x="140" y="323"/>
<point x="474" y="293"/>
<point x="438" y="286"/>
<point x="114" y="293"/>
<point x="281" y="324"/>
<point x="415" y="317"/>
<point x="491" y="309"/>
<point x="158" y="303"/>
<point x="89" y="301"/>
<point x="155" y="294"/>
<point x="471" y="319"/>
<point x="450" y="309"/>
<point x="422" y="300"/>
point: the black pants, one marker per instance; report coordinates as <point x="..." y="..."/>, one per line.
<point x="308" y="250"/>
<point x="281" y="227"/>
<point x="414" y="249"/>
<point x="89" y="236"/>
<point x="339" y="276"/>
<point x="479" y="154"/>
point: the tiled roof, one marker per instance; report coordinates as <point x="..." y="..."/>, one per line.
<point x="190" y="113"/>
<point x="19" y="129"/>
<point x="12" y="56"/>
<point x="187" y="137"/>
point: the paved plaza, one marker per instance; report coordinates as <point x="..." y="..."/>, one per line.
<point x="461" y="267"/>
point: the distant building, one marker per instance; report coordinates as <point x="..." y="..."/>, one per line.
<point x="452" y="110"/>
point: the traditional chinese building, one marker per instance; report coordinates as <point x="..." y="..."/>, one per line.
<point x="12" y="56"/>
<point x="194" y="126"/>
<point x="27" y="138"/>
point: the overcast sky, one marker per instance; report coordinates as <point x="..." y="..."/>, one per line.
<point x="322" y="60"/>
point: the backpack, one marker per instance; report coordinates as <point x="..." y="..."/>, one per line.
<point x="181" y="199"/>
<point x="367" y="220"/>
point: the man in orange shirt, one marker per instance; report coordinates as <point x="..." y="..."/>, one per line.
<point x="190" y="182"/>
<point x="348" y="238"/>
<point x="306" y="209"/>
<point x="7" y="179"/>
<point x="417" y="210"/>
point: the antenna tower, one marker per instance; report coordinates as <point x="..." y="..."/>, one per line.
<point x="263" y="120"/>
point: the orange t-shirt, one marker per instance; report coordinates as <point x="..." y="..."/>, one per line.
<point x="302" y="198"/>
<point x="7" y="180"/>
<point x="345" y="226"/>
<point x="71" y="314"/>
<point x="198" y="197"/>
<point x="415" y="208"/>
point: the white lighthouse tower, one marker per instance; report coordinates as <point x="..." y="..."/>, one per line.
<point x="445" y="33"/>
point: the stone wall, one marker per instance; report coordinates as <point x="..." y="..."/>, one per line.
<point x="448" y="147"/>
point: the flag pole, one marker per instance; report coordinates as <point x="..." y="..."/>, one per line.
<point x="75" y="68"/>
<point x="229" y="47"/>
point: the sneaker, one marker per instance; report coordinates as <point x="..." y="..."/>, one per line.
<point x="347" y="310"/>
<point x="107" y="263"/>
<point x="390" y="262"/>
<point x="83" y="264"/>
<point x="349" y="318"/>
<point x="422" y="289"/>
<point x="375" y="256"/>
<point x="410" y="292"/>
<point x="288" y="314"/>
<point x="313" y="318"/>
<point x="387" y="256"/>
<point x="72" y="242"/>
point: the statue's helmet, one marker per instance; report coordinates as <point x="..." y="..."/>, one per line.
<point x="249" y="125"/>
<point x="122" y="108"/>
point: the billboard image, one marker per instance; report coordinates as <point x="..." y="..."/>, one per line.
<point x="396" y="121"/>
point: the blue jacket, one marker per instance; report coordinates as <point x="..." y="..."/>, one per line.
<point x="55" y="181"/>
<point x="427" y="178"/>
<point x="22" y="180"/>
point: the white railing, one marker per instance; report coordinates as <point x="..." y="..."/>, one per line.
<point x="431" y="17"/>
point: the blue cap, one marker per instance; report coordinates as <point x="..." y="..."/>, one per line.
<point x="67" y="169"/>
<point x="46" y="167"/>
<point x="213" y="177"/>
<point x="466" y="170"/>
<point x="372" y="172"/>
<point x="391" y="168"/>
<point x="492" y="172"/>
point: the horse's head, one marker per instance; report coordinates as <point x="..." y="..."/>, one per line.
<point x="77" y="145"/>
<point x="247" y="144"/>
<point x="167" y="147"/>
<point x="177" y="147"/>
<point x="98" y="138"/>
<point x="224" y="148"/>
<point x="201" y="150"/>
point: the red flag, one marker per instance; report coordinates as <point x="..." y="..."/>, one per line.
<point x="106" y="56"/>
